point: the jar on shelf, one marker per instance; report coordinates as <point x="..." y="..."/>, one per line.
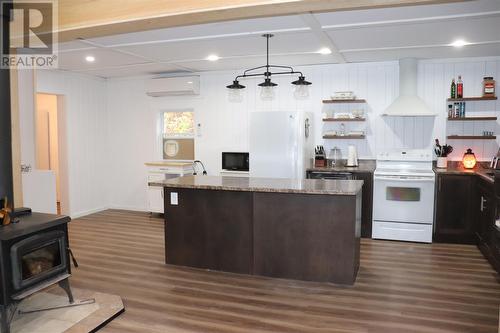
<point x="488" y="86"/>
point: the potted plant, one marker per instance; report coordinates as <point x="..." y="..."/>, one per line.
<point x="442" y="153"/>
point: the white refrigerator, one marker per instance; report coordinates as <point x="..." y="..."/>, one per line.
<point x="281" y="144"/>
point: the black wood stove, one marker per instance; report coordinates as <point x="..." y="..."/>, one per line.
<point x="34" y="255"/>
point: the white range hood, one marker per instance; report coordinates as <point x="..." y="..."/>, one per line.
<point x="408" y="104"/>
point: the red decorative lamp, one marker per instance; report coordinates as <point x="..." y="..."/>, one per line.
<point x="469" y="159"/>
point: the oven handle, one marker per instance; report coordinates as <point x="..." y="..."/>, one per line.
<point x="398" y="179"/>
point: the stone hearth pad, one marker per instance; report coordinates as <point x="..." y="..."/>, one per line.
<point x="79" y="319"/>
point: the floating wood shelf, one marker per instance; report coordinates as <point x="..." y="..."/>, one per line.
<point x="343" y="136"/>
<point x="472" y="137"/>
<point x="327" y="101"/>
<point x="344" y="119"/>
<point x="472" y="118"/>
<point x="472" y="99"/>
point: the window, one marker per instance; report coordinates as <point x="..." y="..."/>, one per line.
<point x="178" y="124"/>
<point x="178" y="135"/>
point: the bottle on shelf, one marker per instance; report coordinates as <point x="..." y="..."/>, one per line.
<point x="456" y="109"/>
<point x="462" y="109"/>
<point x="450" y="111"/>
<point x="460" y="87"/>
<point x="342" y="129"/>
<point x="453" y="90"/>
<point x="488" y="86"/>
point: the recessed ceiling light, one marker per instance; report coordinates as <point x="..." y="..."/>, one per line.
<point x="325" y="50"/>
<point x="213" y="57"/>
<point x="190" y="82"/>
<point x="90" y="58"/>
<point x="459" y="43"/>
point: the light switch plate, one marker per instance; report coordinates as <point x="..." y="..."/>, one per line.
<point x="174" y="198"/>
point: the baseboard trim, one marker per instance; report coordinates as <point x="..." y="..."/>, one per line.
<point x="87" y="212"/>
<point x="133" y="209"/>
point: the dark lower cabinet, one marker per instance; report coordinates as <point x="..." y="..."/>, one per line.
<point x="466" y="209"/>
<point x="454" y="213"/>
<point x="366" y="203"/>
<point x="488" y="236"/>
<point x="486" y="210"/>
<point x="493" y="247"/>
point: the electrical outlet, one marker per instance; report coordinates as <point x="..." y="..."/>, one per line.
<point x="174" y="198"/>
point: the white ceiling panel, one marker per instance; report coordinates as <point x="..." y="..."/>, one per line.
<point x="408" y="12"/>
<point x="282" y="23"/>
<point x="357" y="36"/>
<point x="228" y="47"/>
<point x="134" y="70"/>
<point x="430" y="33"/>
<point x="425" y="53"/>
<point x="74" y="45"/>
<point x="75" y="60"/>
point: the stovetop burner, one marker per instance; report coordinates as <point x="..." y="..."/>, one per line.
<point x="414" y="162"/>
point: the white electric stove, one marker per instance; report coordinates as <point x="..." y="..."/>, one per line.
<point x="403" y="196"/>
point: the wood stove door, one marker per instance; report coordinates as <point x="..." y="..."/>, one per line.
<point x="38" y="258"/>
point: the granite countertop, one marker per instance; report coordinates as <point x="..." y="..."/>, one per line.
<point x="456" y="168"/>
<point x="364" y="166"/>
<point x="275" y="185"/>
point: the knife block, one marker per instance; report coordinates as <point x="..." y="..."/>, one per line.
<point x="319" y="163"/>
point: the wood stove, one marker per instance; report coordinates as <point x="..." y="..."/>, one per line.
<point x="34" y="255"/>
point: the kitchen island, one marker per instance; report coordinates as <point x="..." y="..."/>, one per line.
<point x="306" y="229"/>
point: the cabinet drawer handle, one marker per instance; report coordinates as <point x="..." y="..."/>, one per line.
<point x="483" y="202"/>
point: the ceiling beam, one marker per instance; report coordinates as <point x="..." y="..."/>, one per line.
<point x="97" y="18"/>
<point x="323" y="37"/>
<point x="417" y="20"/>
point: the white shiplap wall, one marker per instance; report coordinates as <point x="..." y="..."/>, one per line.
<point x="133" y="117"/>
<point x="113" y="125"/>
<point x="86" y="127"/>
<point x="434" y="85"/>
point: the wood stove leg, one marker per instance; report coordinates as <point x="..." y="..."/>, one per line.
<point x="5" y="324"/>
<point x="65" y="285"/>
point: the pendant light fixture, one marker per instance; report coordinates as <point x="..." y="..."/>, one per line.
<point x="267" y="88"/>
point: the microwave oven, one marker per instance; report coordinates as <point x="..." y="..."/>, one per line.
<point x="235" y="161"/>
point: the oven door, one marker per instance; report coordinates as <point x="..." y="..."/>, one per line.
<point x="403" y="199"/>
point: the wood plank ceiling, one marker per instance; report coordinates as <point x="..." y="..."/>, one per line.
<point x="380" y="34"/>
<point x="96" y="18"/>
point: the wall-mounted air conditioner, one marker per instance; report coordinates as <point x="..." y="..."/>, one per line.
<point x="173" y="86"/>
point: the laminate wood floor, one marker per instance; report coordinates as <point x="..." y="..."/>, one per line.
<point x="401" y="287"/>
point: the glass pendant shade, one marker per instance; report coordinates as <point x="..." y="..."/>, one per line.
<point x="301" y="92"/>
<point x="469" y="159"/>
<point x="235" y="95"/>
<point x="267" y="93"/>
<point x="267" y="89"/>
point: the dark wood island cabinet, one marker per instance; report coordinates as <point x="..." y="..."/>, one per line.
<point x="362" y="172"/>
<point x="287" y="228"/>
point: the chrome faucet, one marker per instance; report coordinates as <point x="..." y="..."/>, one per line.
<point x="195" y="172"/>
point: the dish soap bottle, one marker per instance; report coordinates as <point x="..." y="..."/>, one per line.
<point x="460" y="87"/>
<point x="453" y="93"/>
